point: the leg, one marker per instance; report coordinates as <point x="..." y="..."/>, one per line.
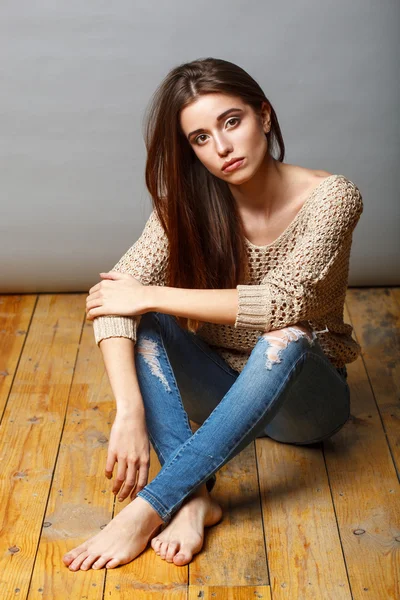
<point x="180" y="378"/>
<point x="312" y="411"/>
<point x="251" y="403"/>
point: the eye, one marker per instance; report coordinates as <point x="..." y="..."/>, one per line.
<point x="198" y="137"/>
<point x="233" y="119"/>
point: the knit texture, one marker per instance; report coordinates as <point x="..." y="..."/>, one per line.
<point x="300" y="278"/>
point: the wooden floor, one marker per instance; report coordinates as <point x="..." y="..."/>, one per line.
<point x="299" y="522"/>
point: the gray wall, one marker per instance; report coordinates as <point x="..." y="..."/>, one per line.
<point x="76" y="77"/>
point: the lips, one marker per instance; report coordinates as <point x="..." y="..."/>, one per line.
<point x="232" y="164"/>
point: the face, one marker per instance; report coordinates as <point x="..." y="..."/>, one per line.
<point x="219" y="128"/>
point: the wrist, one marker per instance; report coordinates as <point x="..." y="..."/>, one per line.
<point x="153" y="298"/>
<point x="130" y="407"/>
<point x="129" y="413"/>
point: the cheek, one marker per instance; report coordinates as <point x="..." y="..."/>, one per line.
<point x="253" y="139"/>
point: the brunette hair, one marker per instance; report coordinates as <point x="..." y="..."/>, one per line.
<point x="196" y="209"/>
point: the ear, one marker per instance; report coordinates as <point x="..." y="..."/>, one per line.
<point x="266" y="116"/>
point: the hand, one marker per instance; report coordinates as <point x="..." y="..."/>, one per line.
<point x="121" y="294"/>
<point x="129" y="447"/>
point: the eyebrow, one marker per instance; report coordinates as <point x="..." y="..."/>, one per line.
<point x="219" y="118"/>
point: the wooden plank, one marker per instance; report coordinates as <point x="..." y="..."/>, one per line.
<point x="80" y="501"/>
<point x="259" y="592"/>
<point x="15" y="315"/>
<point x="30" y="433"/>
<point x="363" y="477"/>
<point x="303" y="546"/>
<point x="376" y="318"/>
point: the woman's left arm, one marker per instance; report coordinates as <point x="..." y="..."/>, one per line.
<point x="212" y="306"/>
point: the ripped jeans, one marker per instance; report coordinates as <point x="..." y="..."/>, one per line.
<point x="289" y="390"/>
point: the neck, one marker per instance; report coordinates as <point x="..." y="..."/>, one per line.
<point x="265" y="190"/>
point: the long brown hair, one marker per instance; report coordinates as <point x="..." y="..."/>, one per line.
<point x="197" y="210"/>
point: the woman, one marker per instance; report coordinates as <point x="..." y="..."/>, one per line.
<point x="226" y="311"/>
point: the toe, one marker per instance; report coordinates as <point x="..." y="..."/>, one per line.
<point x="155" y="544"/>
<point x="75" y="565"/>
<point x="100" y="562"/>
<point x="114" y="562"/>
<point x="183" y="557"/>
<point x="163" y="549"/>
<point x="172" y="550"/>
<point x="73" y="554"/>
<point x="89" y="560"/>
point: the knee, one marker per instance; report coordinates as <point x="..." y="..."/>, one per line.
<point x="281" y="338"/>
<point x="290" y="332"/>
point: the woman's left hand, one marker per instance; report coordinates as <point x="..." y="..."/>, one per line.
<point x="118" y="294"/>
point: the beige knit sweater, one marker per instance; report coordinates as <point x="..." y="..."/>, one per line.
<point x="301" y="277"/>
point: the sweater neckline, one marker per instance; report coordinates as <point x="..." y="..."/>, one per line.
<point x="297" y="217"/>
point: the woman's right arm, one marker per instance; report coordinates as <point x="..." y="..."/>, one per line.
<point x="115" y="335"/>
<point x="129" y="443"/>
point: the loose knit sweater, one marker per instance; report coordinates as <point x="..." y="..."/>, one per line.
<point x="300" y="278"/>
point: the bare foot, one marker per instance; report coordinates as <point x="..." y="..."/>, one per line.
<point x="184" y="534"/>
<point x="124" y="538"/>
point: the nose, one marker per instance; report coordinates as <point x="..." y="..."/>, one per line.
<point x="222" y="145"/>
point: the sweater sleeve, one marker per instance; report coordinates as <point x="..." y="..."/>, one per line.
<point x="146" y="260"/>
<point x="291" y="292"/>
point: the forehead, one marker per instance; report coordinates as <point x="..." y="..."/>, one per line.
<point x="206" y="109"/>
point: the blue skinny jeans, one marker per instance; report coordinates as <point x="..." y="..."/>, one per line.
<point x="292" y="394"/>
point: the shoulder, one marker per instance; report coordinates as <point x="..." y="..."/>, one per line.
<point x="334" y="185"/>
<point x="339" y="203"/>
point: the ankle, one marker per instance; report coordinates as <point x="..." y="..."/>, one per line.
<point x="150" y="516"/>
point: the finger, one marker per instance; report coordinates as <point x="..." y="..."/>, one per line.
<point x="120" y="475"/>
<point x="114" y="275"/>
<point x="92" y="304"/>
<point x="93" y="295"/>
<point x="111" y="460"/>
<point x="129" y="482"/>
<point x="95" y="288"/>
<point x="143" y="477"/>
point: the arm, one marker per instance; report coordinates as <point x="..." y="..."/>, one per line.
<point x="213" y="306"/>
<point x="128" y="446"/>
<point x="116" y="336"/>
<point x="118" y="355"/>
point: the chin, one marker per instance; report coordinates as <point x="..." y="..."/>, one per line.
<point x="240" y="178"/>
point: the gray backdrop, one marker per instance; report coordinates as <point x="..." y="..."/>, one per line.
<point x="76" y="78"/>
